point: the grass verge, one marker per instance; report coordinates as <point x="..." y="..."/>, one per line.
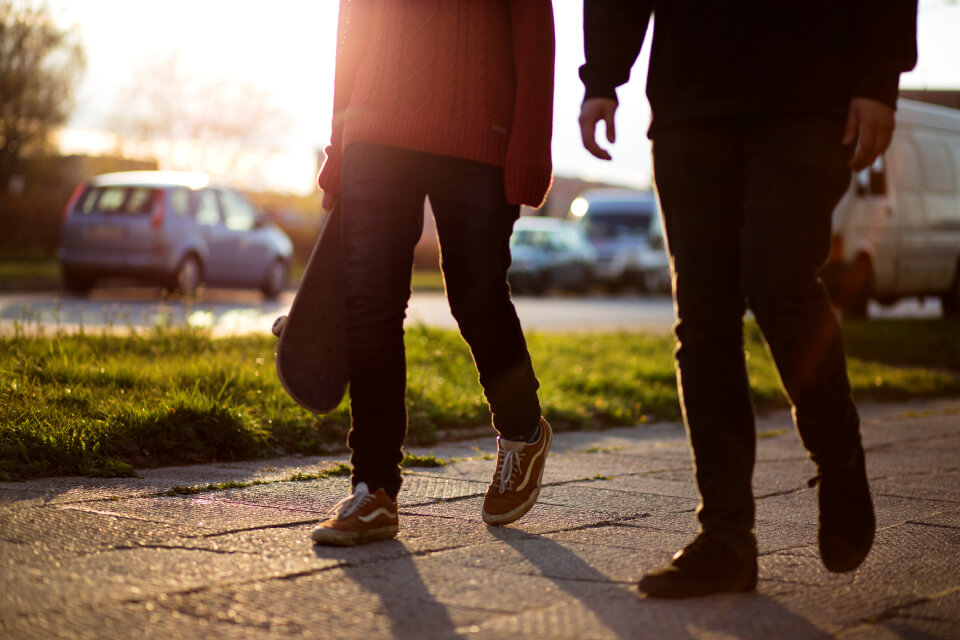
<point x="103" y="405"/>
<point x="29" y="273"/>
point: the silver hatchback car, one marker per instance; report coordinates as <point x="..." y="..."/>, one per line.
<point x="170" y="228"/>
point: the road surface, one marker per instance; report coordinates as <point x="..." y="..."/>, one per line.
<point x="239" y="312"/>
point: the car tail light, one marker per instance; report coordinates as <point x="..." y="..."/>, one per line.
<point x="73" y="200"/>
<point x="836" y="248"/>
<point x="156" y="220"/>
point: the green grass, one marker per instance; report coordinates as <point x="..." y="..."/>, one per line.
<point x="31" y="272"/>
<point x="426" y="280"/>
<point x="413" y="461"/>
<point x="104" y="405"/>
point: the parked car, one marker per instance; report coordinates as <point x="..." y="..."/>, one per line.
<point x="896" y="233"/>
<point x="624" y="227"/>
<point x="550" y="253"/>
<point x="170" y="228"/>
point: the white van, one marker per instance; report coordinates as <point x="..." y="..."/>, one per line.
<point x="624" y="227"/>
<point x="896" y="233"/>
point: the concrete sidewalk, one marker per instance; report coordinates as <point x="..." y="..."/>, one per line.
<point x="94" y="558"/>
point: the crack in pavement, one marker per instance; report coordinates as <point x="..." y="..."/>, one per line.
<point x="175" y="547"/>
<point x="933" y="524"/>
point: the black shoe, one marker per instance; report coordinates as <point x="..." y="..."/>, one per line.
<point x="706" y="566"/>
<point x="847" y="522"/>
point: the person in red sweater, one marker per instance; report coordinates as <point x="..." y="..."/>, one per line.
<point x="450" y="100"/>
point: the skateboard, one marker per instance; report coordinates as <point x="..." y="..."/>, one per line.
<point x="312" y="360"/>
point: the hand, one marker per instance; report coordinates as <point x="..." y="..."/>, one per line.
<point x="874" y="123"/>
<point x="591" y="112"/>
<point x="329" y="200"/>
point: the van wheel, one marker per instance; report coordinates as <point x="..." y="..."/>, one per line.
<point x="275" y="280"/>
<point x="857" y="288"/>
<point x="950" y="301"/>
<point x="188" y="277"/>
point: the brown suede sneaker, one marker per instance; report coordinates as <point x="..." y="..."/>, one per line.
<point x="361" y="517"/>
<point x="516" y="482"/>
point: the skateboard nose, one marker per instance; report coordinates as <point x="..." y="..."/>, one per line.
<point x="277" y="328"/>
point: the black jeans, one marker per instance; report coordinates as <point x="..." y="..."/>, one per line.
<point x="383" y="192"/>
<point x="747" y="205"/>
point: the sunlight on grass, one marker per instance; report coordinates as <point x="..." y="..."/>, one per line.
<point x="101" y="404"/>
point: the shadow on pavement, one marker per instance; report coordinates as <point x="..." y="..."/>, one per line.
<point x="392" y="576"/>
<point x="729" y="616"/>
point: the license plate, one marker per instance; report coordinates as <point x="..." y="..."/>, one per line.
<point x="106" y="233"/>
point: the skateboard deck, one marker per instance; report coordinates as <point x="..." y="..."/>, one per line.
<point x="312" y="360"/>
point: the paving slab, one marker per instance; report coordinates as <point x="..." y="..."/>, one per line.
<point x="126" y="557"/>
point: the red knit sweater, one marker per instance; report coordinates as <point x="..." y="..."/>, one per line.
<point x="466" y="78"/>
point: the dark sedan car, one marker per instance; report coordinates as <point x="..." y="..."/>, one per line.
<point x="170" y="228"/>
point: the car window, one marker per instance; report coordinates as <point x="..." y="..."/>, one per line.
<point x="529" y="238"/>
<point x="238" y="214"/>
<point x="557" y="242"/>
<point x="180" y="201"/>
<point x="117" y="200"/>
<point x="208" y="211"/>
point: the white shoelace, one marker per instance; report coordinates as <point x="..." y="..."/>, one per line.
<point x="361" y="495"/>
<point x="511" y="464"/>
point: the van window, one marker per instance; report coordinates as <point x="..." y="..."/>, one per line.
<point x="613" y="223"/>
<point x="936" y="164"/>
<point x="903" y="165"/>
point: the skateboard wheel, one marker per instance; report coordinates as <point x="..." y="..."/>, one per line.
<point x="278" y="324"/>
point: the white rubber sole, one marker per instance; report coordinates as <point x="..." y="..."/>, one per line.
<point x="515" y="514"/>
<point x="332" y="537"/>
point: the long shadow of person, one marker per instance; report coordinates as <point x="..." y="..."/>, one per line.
<point x="387" y="570"/>
<point x="627" y="615"/>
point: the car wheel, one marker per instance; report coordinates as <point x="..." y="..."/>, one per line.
<point x="586" y="281"/>
<point x="542" y="283"/>
<point x="639" y="281"/>
<point x="77" y="284"/>
<point x="275" y="280"/>
<point x="857" y="288"/>
<point x="188" y="277"/>
<point x="950" y="301"/>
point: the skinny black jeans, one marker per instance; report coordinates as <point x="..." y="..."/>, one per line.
<point x="747" y="206"/>
<point x="382" y="197"/>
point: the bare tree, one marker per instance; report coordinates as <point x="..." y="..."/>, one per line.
<point x="40" y="65"/>
<point x="188" y="121"/>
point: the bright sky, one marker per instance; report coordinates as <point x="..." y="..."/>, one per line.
<point x="286" y="47"/>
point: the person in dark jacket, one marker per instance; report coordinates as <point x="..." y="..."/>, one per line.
<point x="759" y="111"/>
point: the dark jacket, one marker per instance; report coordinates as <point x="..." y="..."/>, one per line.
<point x="715" y="58"/>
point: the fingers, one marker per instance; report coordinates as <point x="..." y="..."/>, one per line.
<point x="873" y="142"/>
<point x="610" y="126"/>
<point x="865" y="154"/>
<point x="874" y="122"/>
<point x="853" y="125"/>
<point x="329" y="200"/>
<point x="588" y="126"/>
<point x="593" y="111"/>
